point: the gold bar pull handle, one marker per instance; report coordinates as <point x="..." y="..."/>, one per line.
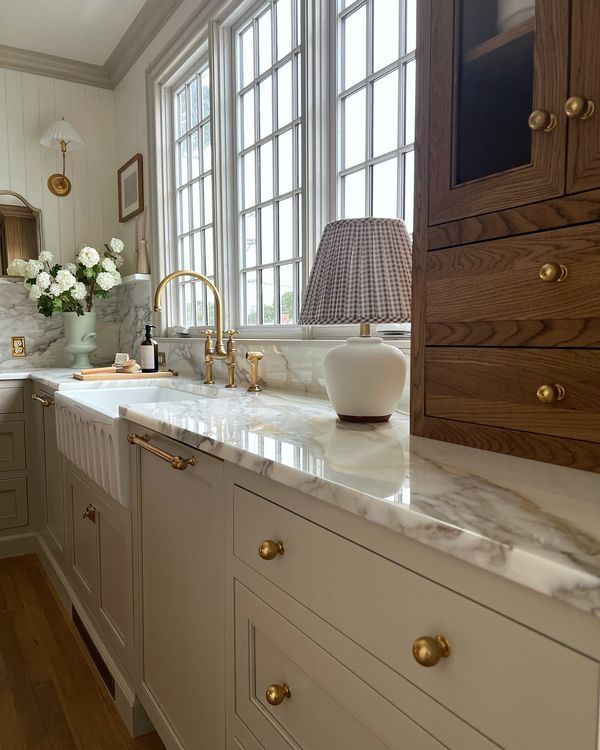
<point x="43" y="401"/>
<point x="176" y="461"/>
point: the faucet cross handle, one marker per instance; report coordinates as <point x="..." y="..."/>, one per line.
<point x="231" y="332"/>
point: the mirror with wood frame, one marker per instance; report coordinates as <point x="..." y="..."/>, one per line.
<point x="21" y="229"/>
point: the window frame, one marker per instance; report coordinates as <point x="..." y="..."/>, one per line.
<point x="213" y="30"/>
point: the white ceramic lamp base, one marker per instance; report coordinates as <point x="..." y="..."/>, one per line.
<point x="364" y="379"/>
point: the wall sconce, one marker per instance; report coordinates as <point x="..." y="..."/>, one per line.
<point x="60" y="136"/>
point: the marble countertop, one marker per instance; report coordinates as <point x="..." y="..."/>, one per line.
<point x="533" y="523"/>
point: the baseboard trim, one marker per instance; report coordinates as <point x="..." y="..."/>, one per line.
<point x="19" y="544"/>
<point x="130" y="709"/>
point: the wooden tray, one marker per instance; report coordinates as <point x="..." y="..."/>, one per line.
<point x="126" y="375"/>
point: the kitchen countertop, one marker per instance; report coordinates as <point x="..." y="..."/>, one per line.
<point x="533" y="523"/>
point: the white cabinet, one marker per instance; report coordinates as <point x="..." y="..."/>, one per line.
<point x="99" y="563"/>
<point x="179" y="580"/>
<point x="14" y="485"/>
<point x="53" y="519"/>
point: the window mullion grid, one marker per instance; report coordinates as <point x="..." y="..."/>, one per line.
<point x="276" y="137"/>
<point x="257" y="186"/>
<point x="369" y="108"/>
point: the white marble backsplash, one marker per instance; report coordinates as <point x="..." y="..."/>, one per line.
<point x="290" y="365"/>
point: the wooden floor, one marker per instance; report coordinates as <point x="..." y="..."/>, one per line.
<point x="50" y="695"/>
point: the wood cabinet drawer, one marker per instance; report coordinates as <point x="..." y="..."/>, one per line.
<point x="499" y="387"/>
<point x="328" y="706"/>
<point x="491" y="293"/>
<point x="11" y="399"/>
<point x="12" y="446"/>
<point x="13" y="503"/>
<point x="502" y="678"/>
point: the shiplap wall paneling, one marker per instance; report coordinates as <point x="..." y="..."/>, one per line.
<point x="28" y="105"/>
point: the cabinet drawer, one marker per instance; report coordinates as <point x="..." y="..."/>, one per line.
<point x="11" y="399"/>
<point x="12" y="446"/>
<point x="328" y="705"/>
<point x="13" y="503"/>
<point x="502" y="678"/>
<point x="499" y="387"/>
<point x="491" y="293"/>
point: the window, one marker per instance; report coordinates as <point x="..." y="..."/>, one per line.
<point x="268" y="70"/>
<point x="192" y="172"/>
<point x="260" y="99"/>
<point x="375" y="108"/>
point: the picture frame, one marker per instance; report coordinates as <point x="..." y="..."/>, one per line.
<point x="130" y="179"/>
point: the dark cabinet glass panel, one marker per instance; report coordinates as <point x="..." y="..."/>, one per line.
<point x="494" y="96"/>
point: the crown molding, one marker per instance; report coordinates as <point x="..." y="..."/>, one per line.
<point x="138" y="36"/>
<point x="144" y="27"/>
<point x="38" y="63"/>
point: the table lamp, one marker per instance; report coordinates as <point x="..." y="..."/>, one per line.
<point x="362" y="274"/>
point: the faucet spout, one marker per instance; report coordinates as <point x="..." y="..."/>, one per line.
<point x="219" y="347"/>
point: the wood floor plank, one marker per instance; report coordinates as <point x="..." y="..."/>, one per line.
<point x="59" y="690"/>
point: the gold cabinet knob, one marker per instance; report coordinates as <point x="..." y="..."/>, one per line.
<point x="579" y="108"/>
<point x="269" y="549"/>
<point x="90" y="512"/>
<point x="548" y="394"/>
<point x="428" y="651"/>
<point x="541" y="119"/>
<point x="276" y="694"/>
<point x="553" y="272"/>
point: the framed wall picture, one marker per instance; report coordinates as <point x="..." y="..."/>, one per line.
<point x="131" y="188"/>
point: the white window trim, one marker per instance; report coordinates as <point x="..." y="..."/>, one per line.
<point x="210" y="33"/>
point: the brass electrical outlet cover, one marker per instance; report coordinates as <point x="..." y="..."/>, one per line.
<point x="18" y="346"/>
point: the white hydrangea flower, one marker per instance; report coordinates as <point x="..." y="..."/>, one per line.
<point x="43" y="280"/>
<point x="116" y="245"/>
<point x="65" y="279"/>
<point x="32" y="268"/>
<point x="119" y="260"/>
<point x="88" y="257"/>
<point x="109" y="265"/>
<point x="46" y="257"/>
<point x="72" y="268"/>
<point x="17" y="267"/>
<point x="35" y="293"/>
<point x="105" y="281"/>
<point x="55" y="290"/>
<point x="78" y="291"/>
<point x="117" y="277"/>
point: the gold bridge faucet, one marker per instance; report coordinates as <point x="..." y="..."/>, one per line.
<point x="212" y="349"/>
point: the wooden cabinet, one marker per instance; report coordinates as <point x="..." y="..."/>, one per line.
<point x="507" y="230"/>
<point x="179" y="591"/>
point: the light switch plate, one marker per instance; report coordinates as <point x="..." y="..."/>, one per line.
<point x="18" y="346"/>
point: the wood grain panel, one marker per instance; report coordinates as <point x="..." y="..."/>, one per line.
<point x="583" y="163"/>
<point x="498" y="388"/>
<point x="552" y="214"/>
<point x="575" y="454"/>
<point x="544" y="177"/>
<point x="497" y="283"/>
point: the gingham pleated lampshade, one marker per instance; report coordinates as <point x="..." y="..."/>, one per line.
<point x="361" y="274"/>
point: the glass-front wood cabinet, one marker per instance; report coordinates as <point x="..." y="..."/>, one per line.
<point x="499" y="82"/>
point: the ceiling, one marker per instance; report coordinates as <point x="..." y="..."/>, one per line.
<point x="82" y="30"/>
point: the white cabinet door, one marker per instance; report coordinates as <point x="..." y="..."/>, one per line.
<point x="180" y="561"/>
<point x="54" y="486"/>
<point x="83" y="553"/>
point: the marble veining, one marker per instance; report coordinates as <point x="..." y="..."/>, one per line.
<point x="532" y="523"/>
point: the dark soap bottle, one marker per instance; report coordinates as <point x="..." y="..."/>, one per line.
<point x="149" y="352"/>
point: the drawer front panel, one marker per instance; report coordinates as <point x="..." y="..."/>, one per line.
<point x="11" y="400"/>
<point x="12" y="446"/>
<point x="328" y="706"/>
<point x="501" y="677"/>
<point x="491" y="293"/>
<point x="13" y="503"/>
<point x="499" y="387"/>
